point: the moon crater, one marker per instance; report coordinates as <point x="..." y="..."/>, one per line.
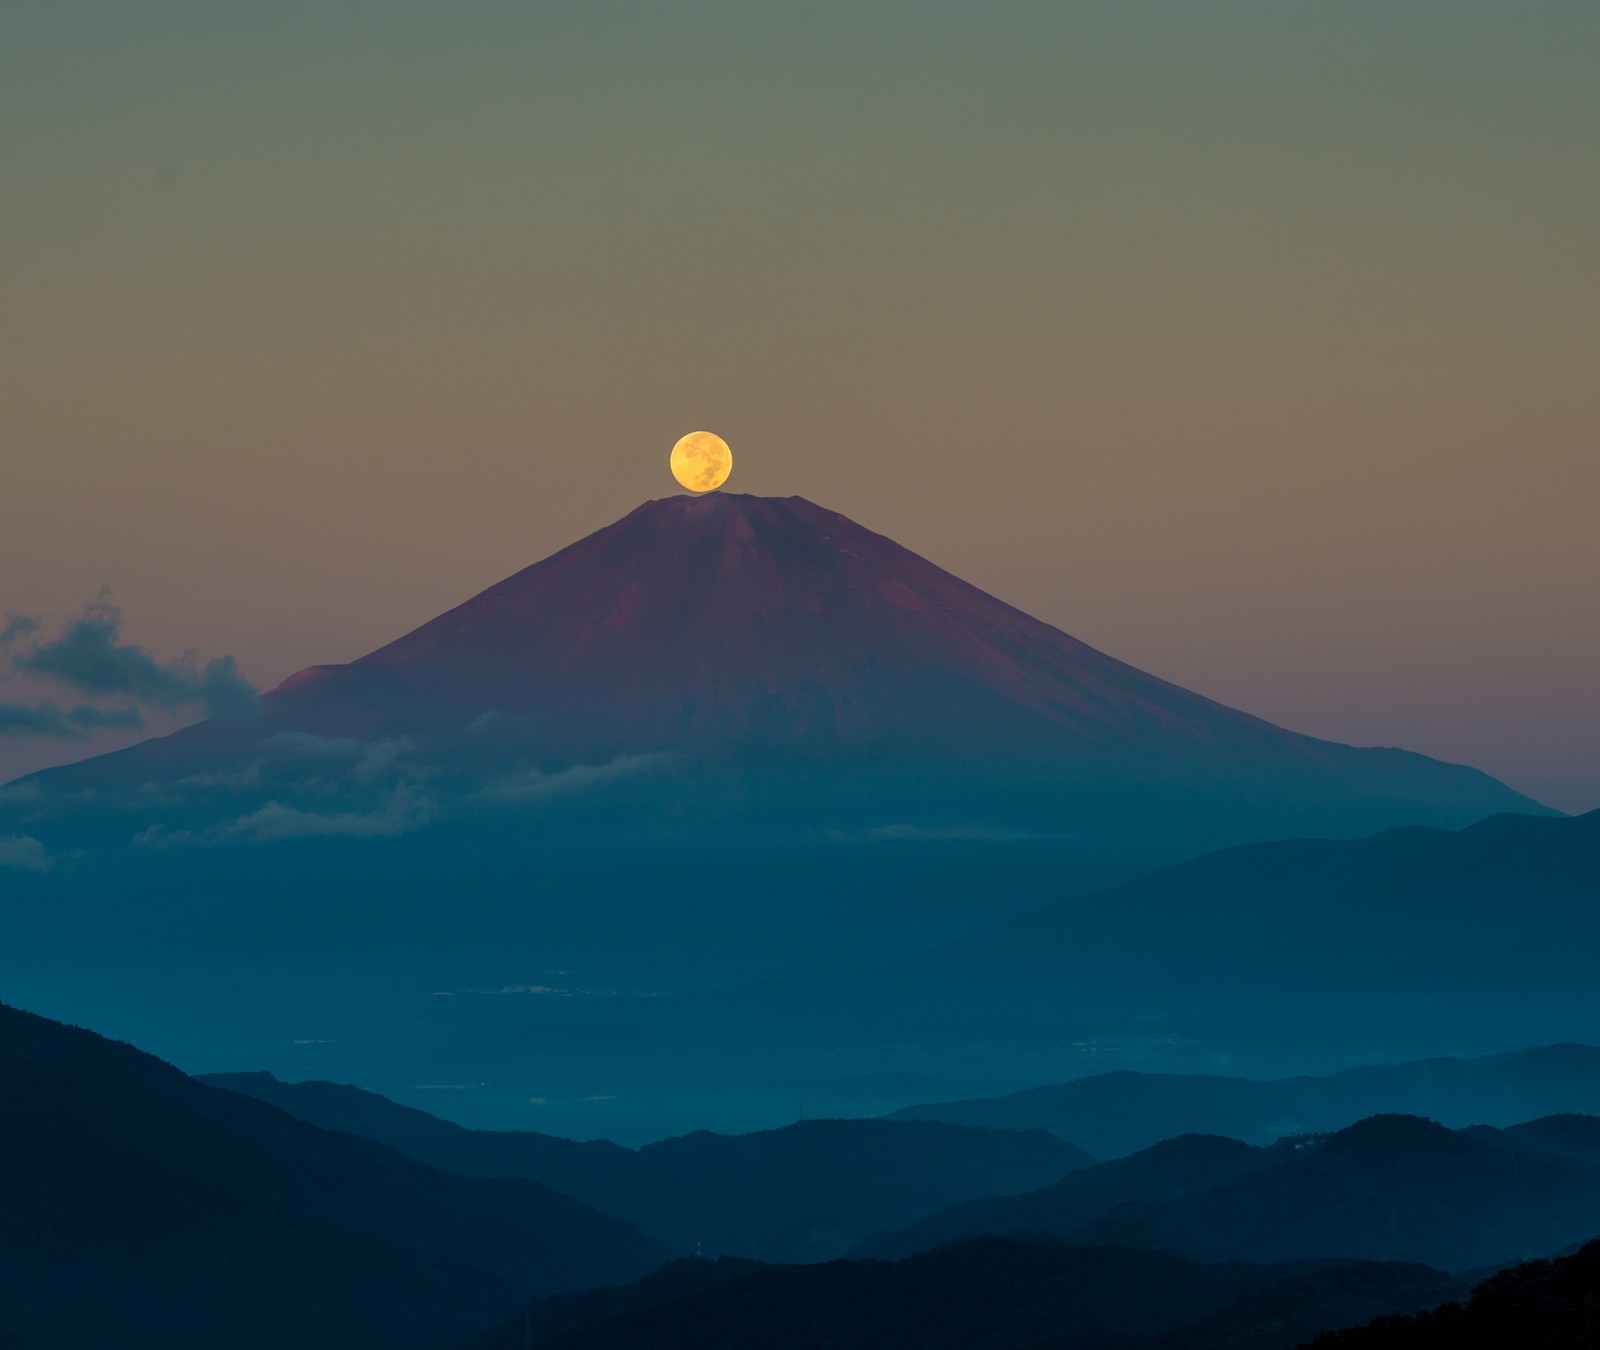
<point x="701" y="461"/>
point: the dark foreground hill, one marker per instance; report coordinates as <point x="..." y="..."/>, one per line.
<point x="1193" y="1162"/>
<point x="1388" y="1188"/>
<point x="804" y="1192"/>
<point x="1542" y="1305"/>
<point x="1394" y="1188"/>
<point x="1116" y="1113"/>
<point x="142" y="1209"/>
<point x="988" y="1294"/>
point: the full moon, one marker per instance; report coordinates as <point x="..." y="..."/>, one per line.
<point x="701" y="461"/>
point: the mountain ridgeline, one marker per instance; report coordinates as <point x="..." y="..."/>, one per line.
<point x="1388" y="1188"/>
<point x="996" y="1293"/>
<point x="805" y="1192"/>
<point x="1112" y="1114"/>
<point x="1199" y="1244"/>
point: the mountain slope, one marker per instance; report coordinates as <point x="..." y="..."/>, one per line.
<point x="804" y="1192"/>
<point x="142" y="1206"/>
<point x="1497" y="911"/>
<point x="727" y="658"/>
<point x="988" y="1294"/>
<point x="1542" y="1305"/>
<point x="1389" y="1188"/>
<point x="1171" y="1168"/>
<point x="1118" y="1113"/>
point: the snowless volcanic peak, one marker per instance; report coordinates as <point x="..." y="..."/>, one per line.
<point x="726" y="618"/>
<point x="786" y="660"/>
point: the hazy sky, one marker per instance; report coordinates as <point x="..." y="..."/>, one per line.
<point x="1253" y="343"/>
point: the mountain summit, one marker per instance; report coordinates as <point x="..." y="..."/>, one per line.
<point x="742" y="659"/>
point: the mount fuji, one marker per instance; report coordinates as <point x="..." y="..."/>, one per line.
<point x="755" y="664"/>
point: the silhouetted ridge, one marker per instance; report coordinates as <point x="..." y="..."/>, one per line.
<point x="803" y="1192"/>
<point x="1174" y="1167"/>
<point x="1541" y="1305"/>
<point x="1389" y="1188"/>
<point x="987" y="1294"/>
<point x="1122" y="1112"/>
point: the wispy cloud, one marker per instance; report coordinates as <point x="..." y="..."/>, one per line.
<point x="24" y="851"/>
<point x="88" y="655"/>
<point x="158" y="838"/>
<point x="46" y="719"/>
<point x="369" y="760"/>
<point x="15" y="626"/>
<point x="404" y="811"/>
<point x="533" y="783"/>
<point x="242" y="778"/>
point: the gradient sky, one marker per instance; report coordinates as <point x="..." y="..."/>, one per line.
<point x="1252" y="343"/>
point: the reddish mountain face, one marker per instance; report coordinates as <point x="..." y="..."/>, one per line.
<point x="729" y="620"/>
<point x="778" y="653"/>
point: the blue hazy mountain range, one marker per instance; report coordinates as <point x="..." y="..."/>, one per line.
<point x="1119" y="1113"/>
<point x="1169" y="1250"/>
<point x="828" y="1178"/>
<point x="617" y="988"/>
<point x="808" y="1191"/>
<point x="209" y="1217"/>
<point x="1265" y="959"/>
<point x="1388" y="1187"/>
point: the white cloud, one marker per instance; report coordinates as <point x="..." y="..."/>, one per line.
<point x="306" y="745"/>
<point x="23" y="850"/>
<point x="371" y="759"/>
<point x="225" y="780"/>
<point x="231" y="780"/>
<point x="533" y="783"/>
<point x="403" y="812"/>
<point x="160" y="837"/>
